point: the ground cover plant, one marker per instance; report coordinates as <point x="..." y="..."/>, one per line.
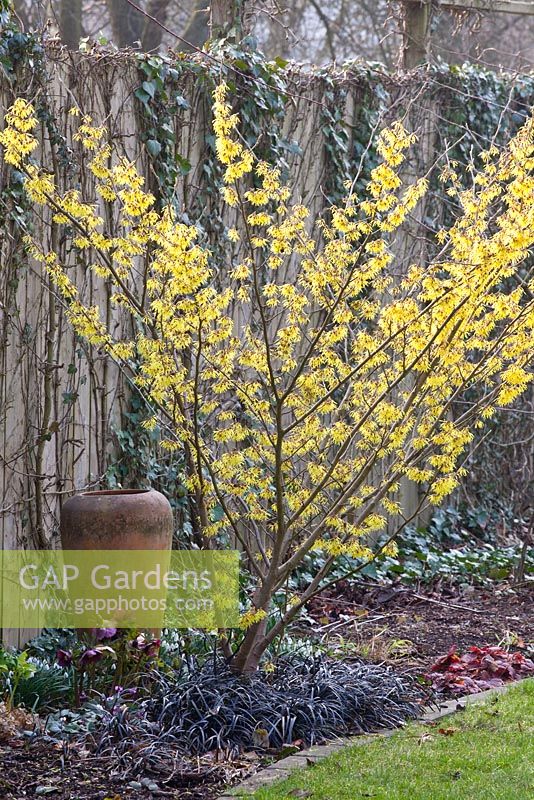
<point x="298" y="701"/>
<point x="479" y="669"/>
<point x="484" y="752"/>
<point x="121" y="740"/>
<point x="337" y="367"/>
<point x="180" y="717"/>
<point x="455" y="547"/>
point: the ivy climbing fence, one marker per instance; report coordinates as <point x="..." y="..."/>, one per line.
<point x="68" y="420"/>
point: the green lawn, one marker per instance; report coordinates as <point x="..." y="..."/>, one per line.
<point x="483" y="753"/>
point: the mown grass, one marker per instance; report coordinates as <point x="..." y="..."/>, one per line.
<point x="483" y="753"/>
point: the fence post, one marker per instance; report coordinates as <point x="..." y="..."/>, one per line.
<point x="416" y="32"/>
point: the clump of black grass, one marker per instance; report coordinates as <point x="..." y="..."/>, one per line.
<point x="206" y="708"/>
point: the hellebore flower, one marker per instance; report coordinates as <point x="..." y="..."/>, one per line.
<point x="90" y="656"/>
<point x="149" y="647"/>
<point x="94" y="654"/>
<point x="64" y="658"/>
<point x="105" y="633"/>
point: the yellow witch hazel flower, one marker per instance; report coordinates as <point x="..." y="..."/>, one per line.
<point x="39" y="185"/>
<point x="16" y="138"/>
<point x="237" y="158"/>
<point x="393" y="141"/>
<point x="90" y="135"/>
<point x="251" y="617"/>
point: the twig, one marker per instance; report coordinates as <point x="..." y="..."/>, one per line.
<point x="450" y="605"/>
<point x="357" y="621"/>
<point x="526" y="582"/>
<point x="218" y="61"/>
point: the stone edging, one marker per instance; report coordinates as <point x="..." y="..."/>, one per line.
<point x="304" y="758"/>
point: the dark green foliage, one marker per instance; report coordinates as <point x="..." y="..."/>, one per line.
<point x="17" y="49"/>
<point x="27" y="681"/>
<point x="46" y="690"/>
<point x="45" y="646"/>
<point x="161" y="100"/>
<point x="417" y="562"/>
<point x="459" y="546"/>
<point x="139" y="462"/>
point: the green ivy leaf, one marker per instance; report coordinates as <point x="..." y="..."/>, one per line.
<point x="153" y="147"/>
<point x="149" y="87"/>
<point x="183" y="165"/>
<point x="69" y="397"/>
<point x="141" y="95"/>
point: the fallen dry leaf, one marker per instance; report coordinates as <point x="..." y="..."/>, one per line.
<point x="447" y="731"/>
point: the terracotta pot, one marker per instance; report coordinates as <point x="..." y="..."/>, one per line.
<point x="117" y="519"/>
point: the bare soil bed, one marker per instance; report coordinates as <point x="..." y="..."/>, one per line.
<point x="413" y="627"/>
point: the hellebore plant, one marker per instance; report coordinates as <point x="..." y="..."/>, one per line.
<point x="101" y="668"/>
<point x="304" y="372"/>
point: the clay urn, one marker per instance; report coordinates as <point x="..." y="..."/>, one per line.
<point x="117" y="519"/>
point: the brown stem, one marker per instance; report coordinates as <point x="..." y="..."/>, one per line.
<point x="44" y="435"/>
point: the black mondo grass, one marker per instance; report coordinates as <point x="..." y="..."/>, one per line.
<point x="209" y="708"/>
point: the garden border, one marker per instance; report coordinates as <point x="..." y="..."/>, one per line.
<point x="313" y="755"/>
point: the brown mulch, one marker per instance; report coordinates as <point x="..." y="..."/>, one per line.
<point x="413" y="627"/>
<point x="43" y="769"/>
